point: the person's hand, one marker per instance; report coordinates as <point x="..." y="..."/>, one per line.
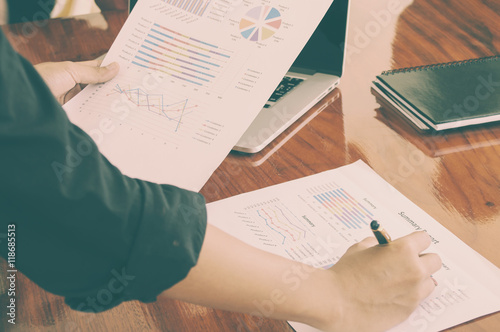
<point x="380" y="286"/>
<point x="65" y="79"/>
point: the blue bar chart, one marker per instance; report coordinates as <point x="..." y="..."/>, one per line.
<point x="345" y="208"/>
<point x="180" y="56"/>
<point x="196" y="7"/>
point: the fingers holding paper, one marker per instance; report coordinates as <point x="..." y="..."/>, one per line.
<point x="66" y="78"/>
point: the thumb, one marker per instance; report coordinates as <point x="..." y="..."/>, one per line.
<point x="85" y="74"/>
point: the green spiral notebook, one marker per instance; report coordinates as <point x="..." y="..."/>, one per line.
<point x="445" y="95"/>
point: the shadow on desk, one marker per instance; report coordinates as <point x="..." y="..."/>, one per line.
<point x="331" y="102"/>
<point x="439" y="143"/>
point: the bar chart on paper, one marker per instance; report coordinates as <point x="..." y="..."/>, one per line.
<point x="197" y="7"/>
<point x="182" y="57"/>
<point x="308" y="224"/>
<point x="190" y="11"/>
<point x="343" y="207"/>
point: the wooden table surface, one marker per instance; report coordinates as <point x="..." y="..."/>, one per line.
<point x="454" y="177"/>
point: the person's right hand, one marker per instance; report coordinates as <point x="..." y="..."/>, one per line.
<point x="379" y="286"/>
<point x="65" y="79"/>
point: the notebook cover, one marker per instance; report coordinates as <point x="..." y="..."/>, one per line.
<point x="450" y="92"/>
<point x="436" y="143"/>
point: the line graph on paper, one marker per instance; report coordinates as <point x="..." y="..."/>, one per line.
<point x="156" y="103"/>
<point x="152" y="111"/>
<point x="281" y="223"/>
<point x="275" y="225"/>
<point x="309" y="226"/>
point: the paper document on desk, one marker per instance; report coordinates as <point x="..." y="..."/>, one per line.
<point x="192" y="79"/>
<point x="315" y="219"/>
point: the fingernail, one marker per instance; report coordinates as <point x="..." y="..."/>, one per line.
<point x="113" y="66"/>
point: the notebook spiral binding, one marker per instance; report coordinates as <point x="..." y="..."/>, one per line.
<point x="440" y="65"/>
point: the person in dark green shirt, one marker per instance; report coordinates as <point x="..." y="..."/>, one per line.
<point x="22" y="11"/>
<point x="98" y="238"/>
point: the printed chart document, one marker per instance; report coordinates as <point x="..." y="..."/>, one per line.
<point x="315" y="219"/>
<point x="194" y="75"/>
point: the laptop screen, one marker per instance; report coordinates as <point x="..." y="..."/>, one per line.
<point x="325" y="50"/>
<point x="131" y="4"/>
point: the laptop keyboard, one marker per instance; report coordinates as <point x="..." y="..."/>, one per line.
<point x="286" y="85"/>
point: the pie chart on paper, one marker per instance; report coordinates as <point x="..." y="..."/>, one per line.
<point x="260" y="23"/>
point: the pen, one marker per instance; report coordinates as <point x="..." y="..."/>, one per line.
<point x="380" y="233"/>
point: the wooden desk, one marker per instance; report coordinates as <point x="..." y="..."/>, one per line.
<point x="455" y="178"/>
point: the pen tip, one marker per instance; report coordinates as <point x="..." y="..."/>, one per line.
<point x="374" y="225"/>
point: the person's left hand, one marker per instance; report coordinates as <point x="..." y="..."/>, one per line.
<point x="66" y="79"/>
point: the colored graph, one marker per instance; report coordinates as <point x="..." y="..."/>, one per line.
<point x="281" y="223"/>
<point x="277" y="226"/>
<point x="260" y="23"/>
<point x="344" y="208"/>
<point x="180" y="56"/>
<point x="196" y="7"/>
<point x="157" y="104"/>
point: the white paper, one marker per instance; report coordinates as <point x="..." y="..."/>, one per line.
<point x="315" y="219"/>
<point x="194" y="74"/>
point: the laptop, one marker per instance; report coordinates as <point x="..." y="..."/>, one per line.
<point x="315" y="72"/>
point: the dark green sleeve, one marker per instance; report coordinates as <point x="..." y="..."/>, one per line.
<point x="83" y="230"/>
